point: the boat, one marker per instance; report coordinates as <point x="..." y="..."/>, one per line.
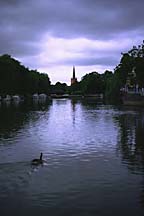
<point x="133" y="98"/>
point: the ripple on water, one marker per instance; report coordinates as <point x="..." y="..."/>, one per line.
<point x="88" y="162"/>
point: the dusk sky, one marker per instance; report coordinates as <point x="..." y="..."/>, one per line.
<point x="53" y="35"/>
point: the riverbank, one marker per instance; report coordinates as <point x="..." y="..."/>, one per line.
<point x="94" y="96"/>
<point x="134" y="99"/>
<point x="20" y="98"/>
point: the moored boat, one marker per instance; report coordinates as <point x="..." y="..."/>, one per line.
<point x="133" y="99"/>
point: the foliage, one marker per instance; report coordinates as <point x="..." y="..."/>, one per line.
<point x="131" y="67"/>
<point x="17" y="79"/>
<point x="139" y="69"/>
<point x="75" y="89"/>
<point x="59" y="88"/>
<point x="92" y="83"/>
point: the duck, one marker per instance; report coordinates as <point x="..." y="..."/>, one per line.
<point x="37" y="161"/>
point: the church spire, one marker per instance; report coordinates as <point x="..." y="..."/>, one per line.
<point x="73" y="72"/>
<point x="73" y="79"/>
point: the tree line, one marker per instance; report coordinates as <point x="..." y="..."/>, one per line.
<point x="129" y="71"/>
<point x="17" y="79"/>
<point x="130" y="68"/>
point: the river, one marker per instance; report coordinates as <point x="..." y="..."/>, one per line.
<point x="93" y="159"/>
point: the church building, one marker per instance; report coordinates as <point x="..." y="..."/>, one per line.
<point x="73" y="79"/>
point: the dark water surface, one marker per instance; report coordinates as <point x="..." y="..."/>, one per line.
<point x="94" y="159"/>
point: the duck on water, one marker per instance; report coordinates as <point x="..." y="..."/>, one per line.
<point x="37" y="161"/>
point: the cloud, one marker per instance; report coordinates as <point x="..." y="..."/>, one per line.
<point x="50" y="33"/>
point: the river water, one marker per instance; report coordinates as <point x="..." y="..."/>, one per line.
<point x="93" y="159"/>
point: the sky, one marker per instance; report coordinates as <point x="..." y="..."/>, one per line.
<point x="53" y="35"/>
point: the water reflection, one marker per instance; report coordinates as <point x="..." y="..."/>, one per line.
<point x="83" y="173"/>
<point x="131" y="136"/>
<point x="14" y="116"/>
<point x="130" y="143"/>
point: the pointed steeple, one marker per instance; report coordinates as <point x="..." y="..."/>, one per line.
<point x="73" y="79"/>
<point x="73" y="72"/>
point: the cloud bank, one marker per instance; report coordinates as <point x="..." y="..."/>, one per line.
<point x="52" y="36"/>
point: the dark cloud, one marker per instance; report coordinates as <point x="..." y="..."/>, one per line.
<point x="23" y="23"/>
<point x="9" y="2"/>
<point x="15" y="43"/>
<point x="93" y="19"/>
<point x="86" y="61"/>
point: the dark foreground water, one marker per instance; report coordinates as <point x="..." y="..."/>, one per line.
<point x="94" y="159"/>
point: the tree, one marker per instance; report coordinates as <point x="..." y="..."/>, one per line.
<point x="59" y="88"/>
<point x="17" y="79"/>
<point x="92" y="83"/>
